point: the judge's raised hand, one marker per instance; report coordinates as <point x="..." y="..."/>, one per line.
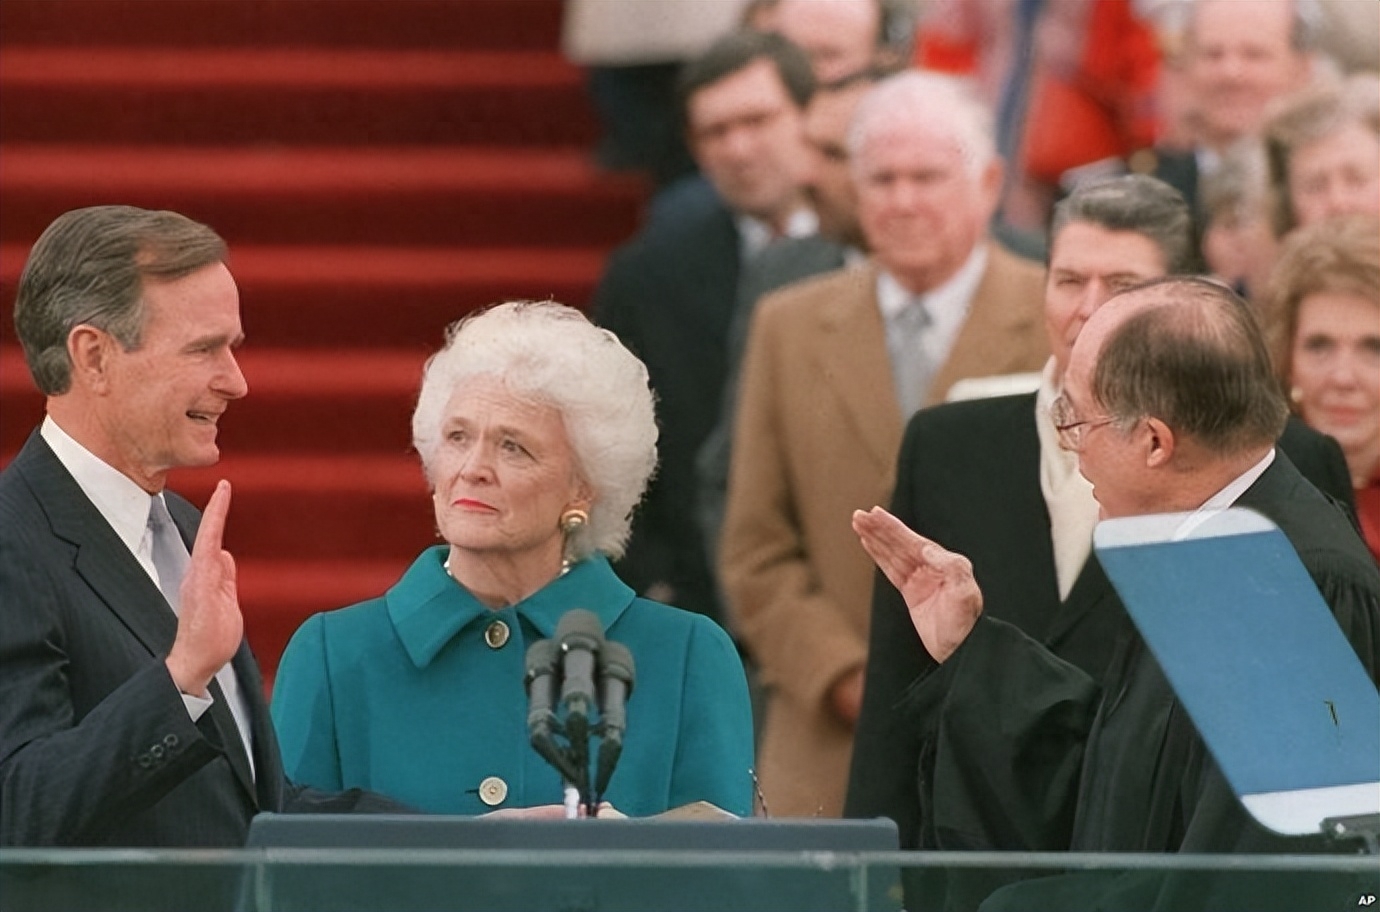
<point x="209" y="624"/>
<point x="937" y="585"/>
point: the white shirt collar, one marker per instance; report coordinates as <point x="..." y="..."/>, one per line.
<point x="1225" y="497"/>
<point x="947" y="303"/>
<point x="123" y="503"/>
<point x="754" y="234"/>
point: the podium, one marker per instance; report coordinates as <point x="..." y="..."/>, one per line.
<point x="623" y="865"/>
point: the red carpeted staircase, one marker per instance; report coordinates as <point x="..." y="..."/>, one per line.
<point x="379" y="168"/>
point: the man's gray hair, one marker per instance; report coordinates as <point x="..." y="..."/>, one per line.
<point x="88" y="267"/>
<point x="1194" y="357"/>
<point x="1139" y="203"/>
<point x="932" y="99"/>
<point x="551" y="354"/>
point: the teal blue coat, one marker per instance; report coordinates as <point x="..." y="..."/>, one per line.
<point x="403" y="695"/>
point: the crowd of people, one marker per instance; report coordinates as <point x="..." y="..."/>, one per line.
<point x="837" y="310"/>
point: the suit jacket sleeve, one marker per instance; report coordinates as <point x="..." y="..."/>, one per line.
<point x="65" y="780"/>
<point x="804" y="642"/>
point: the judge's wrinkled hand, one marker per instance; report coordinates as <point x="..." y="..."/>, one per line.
<point x="937" y="585"/>
<point x="209" y="624"/>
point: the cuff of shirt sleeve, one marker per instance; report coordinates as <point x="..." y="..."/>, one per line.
<point x="196" y="706"/>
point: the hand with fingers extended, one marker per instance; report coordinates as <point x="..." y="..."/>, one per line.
<point x="209" y="625"/>
<point x="937" y="585"/>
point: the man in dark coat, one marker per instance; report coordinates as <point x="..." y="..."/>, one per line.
<point x="131" y="711"/>
<point x="1169" y="402"/>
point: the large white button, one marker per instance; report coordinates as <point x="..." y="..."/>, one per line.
<point x="492" y="791"/>
<point x="496" y="634"/>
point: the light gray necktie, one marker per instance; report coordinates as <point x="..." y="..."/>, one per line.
<point x="170" y="556"/>
<point x="170" y="559"/>
<point x="911" y="367"/>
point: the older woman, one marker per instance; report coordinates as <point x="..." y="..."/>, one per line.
<point x="537" y="437"/>
<point x="1323" y="148"/>
<point x="1325" y="311"/>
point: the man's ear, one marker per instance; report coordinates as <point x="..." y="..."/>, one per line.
<point x="90" y="351"/>
<point x="1159" y="443"/>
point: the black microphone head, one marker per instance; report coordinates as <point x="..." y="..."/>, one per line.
<point x="542" y="658"/>
<point x="580" y="629"/>
<point x="616" y="660"/>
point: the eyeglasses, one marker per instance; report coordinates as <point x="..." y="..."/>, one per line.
<point x="1073" y="430"/>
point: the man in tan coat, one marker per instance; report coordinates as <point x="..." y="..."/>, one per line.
<point x="834" y="367"/>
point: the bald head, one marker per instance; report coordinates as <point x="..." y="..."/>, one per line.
<point x="839" y="36"/>
<point x="1241" y="56"/>
<point x="1189" y="352"/>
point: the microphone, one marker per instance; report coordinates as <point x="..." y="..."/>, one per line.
<point x="540" y="679"/>
<point x="616" y="674"/>
<point x="580" y="637"/>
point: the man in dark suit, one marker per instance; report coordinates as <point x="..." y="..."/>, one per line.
<point x="1169" y="403"/>
<point x="1238" y="57"/>
<point x="988" y="480"/>
<point x="131" y="711"/>
<point x="828" y="185"/>
<point x="669" y="293"/>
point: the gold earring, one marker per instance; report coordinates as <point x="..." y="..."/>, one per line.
<point x="1295" y="395"/>
<point x="572" y="520"/>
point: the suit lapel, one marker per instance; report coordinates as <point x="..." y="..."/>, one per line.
<point x="855" y="367"/>
<point x="102" y="559"/>
<point x="995" y="336"/>
<point x="115" y="576"/>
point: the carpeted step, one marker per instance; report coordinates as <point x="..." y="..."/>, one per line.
<point x="277" y="595"/>
<point x="292" y="96"/>
<point x="493" y="24"/>
<point x="489" y="197"/>
<point x="319" y="402"/>
<point x="319" y="297"/>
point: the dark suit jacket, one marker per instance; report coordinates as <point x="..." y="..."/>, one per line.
<point x="669" y="295"/>
<point x="96" y="745"/>
<point x="968" y="477"/>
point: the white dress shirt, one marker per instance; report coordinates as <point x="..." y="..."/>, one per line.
<point x="125" y="506"/>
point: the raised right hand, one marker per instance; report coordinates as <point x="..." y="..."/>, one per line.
<point x="937" y="585"/>
<point x="209" y="625"/>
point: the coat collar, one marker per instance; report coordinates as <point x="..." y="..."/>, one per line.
<point x="854" y="364"/>
<point x="102" y="559"/>
<point x="428" y="609"/>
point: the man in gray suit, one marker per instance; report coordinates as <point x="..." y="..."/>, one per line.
<point x="131" y="711"/>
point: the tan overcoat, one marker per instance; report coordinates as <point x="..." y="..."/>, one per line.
<point x="817" y="434"/>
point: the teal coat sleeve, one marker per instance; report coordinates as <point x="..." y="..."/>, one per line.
<point x="302" y="711"/>
<point x="714" y="759"/>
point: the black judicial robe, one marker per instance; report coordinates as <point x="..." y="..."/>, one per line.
<point x="1025" y="749"/>
<point x="968" y="477"/>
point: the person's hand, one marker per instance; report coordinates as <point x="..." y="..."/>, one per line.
<point x="937" y="585"/>
<point x="845" y="697"/>
<point x="605" y="811"/>
<point x="209" y="625"/>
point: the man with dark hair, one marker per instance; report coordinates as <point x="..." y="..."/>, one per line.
<point x="989" y="480"/>
<point x="1169" y="403"/>
<point x="131" y="711"/>
<point x="669" y="293"/>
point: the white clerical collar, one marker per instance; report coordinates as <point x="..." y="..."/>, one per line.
<point x="947" y="303"/>
<point x="754" y="234"/>
<point x="1225" y="497"/>
<point x="123" y="503"/>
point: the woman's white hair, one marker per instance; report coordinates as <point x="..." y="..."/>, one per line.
<point x="550" y="353"/>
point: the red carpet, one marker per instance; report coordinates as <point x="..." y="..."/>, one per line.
<point x="379" y="167"/>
